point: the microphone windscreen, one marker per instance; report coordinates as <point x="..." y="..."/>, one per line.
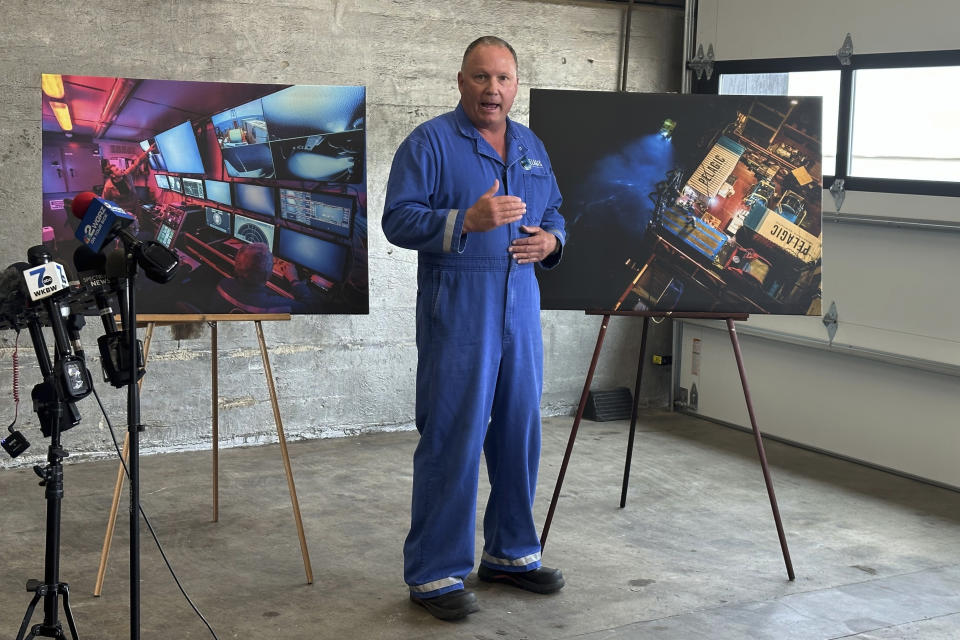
<point x="81" y="202"/>
<point x="116" y="264"/>
<point x="12" y="286"/>
<point x="86" y="259"/>
<point x="12" y="276"/>
<point x="38" y="254"/>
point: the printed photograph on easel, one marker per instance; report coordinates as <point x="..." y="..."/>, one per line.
<point x="689" y="203"/>
<point x="260" y="189"/>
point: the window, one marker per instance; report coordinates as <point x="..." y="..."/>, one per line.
<point x="905" y="124"/>
<point x="889" y="120"/>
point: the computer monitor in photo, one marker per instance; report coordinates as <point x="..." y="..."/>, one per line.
<point x="219" y="220"/>
<point x="193" y="187"/>
<point x="331" y="212"/>
<point x="179" y="149"/>
<point x="165" y="235"/>
<point x="250" y="230"/>
<point x="242" y="136"/>
<point x="317" y="132"/>
<point x="154" y="158"/>
<point x="218" y="191"/>
<point x="256" y="198"/>
<point x="322" y="256"/>
<point x="161" y="181"/>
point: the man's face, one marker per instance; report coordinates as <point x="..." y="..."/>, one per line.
<point x="488" y="85"/>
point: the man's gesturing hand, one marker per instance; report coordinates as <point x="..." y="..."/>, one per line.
<point x="534" y="247"/>
<point x="490" y="211"/>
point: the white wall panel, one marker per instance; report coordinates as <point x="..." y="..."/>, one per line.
<point x="745" y="29"/>
<point x="892" y="416"/>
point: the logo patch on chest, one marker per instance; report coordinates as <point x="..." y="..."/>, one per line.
<point x="529" y="163"/>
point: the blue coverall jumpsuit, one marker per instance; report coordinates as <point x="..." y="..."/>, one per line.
<point x="480" y="351"/>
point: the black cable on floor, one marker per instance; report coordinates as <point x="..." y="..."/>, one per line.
<point x="146" y="520"/>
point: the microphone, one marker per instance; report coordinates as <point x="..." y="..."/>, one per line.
<point x="116" y="270"/>
<point x="42" y="283"/>
<point x="92" y="272"/>
<point x="114" y="354"/>
<point x="100" y="221"/>
<point x="10" y="282"/>
<point x="45" y="277"/>
<point x="103" y="221"/>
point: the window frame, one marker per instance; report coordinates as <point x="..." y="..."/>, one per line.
<point x="904" y="60"/>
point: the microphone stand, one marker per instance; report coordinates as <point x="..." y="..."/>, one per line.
<point x="160" y="265"/>
<point x="128" y="303"/>
<point x="51" y="412"/>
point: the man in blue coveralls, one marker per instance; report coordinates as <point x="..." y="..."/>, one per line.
<point x="473" y="192"/>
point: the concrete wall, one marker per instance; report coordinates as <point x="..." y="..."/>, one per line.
<point x="336" y="375"/>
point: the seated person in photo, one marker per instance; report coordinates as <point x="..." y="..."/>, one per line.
<point x="248" y="291"/>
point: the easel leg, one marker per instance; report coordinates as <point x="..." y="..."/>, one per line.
<point x="573" y="430"/>
<point x="763" y="456"/>
<point x="283" y="451"/>
<point x="633" y="414"/>
<point x="215" y="412"/>
<point x="118" y="486"/>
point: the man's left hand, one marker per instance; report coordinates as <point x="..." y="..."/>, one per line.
<point x="535" y="247"/>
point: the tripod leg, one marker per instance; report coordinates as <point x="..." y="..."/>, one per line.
<point x="29" y="614"/>
<point x="573" y="431"/>
<point x="67" y="612"/>
<point x="633" y="414"/>
<point x="283" y="450"/>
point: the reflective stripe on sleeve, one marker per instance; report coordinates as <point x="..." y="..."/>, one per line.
<point x="448" y="230"/>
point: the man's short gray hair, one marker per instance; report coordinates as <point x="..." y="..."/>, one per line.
<point x="254" y="263"/>
<point x="492" y="41"/>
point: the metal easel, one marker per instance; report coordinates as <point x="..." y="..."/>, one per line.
<point x="646" y="315"/>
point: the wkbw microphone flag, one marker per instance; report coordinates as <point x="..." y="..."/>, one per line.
<point x="45" y="280"/>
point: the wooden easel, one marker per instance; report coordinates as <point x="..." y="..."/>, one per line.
<point x="150" y="322"/>
<point x="646" y="315"/>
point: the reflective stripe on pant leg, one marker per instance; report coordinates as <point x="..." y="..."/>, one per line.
<point x="525" y="563"/>
<point x="436" y="588"/>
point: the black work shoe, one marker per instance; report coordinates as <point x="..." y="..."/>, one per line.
<point x="452" y="605"/>
<point x="542" y="580"/>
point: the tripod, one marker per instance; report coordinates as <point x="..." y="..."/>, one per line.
<point x="54" y="413"/>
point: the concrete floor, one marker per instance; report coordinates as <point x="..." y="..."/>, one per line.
<point x="694" y="555"/>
